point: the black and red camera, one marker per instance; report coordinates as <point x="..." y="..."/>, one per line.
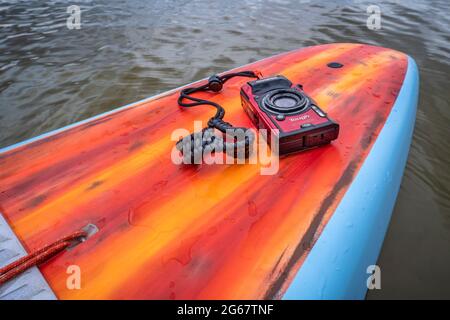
<point x="284" y="109"/>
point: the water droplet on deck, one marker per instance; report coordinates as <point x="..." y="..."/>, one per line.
<point x="252" y="210"/>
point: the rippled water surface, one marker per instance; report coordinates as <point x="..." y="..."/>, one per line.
<point x="51" y="76"/>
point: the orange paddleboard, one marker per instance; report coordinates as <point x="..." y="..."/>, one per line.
<point x="169" y="231"/>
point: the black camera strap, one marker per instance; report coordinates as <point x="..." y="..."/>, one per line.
<point x="198" y="143"/>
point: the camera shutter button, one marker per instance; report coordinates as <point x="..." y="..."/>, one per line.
<point x="280" y="117"/>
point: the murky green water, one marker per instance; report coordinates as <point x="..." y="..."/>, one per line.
<point x="51" y="76"/>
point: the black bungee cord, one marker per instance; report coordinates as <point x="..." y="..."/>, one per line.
<point x="196" y="144"/>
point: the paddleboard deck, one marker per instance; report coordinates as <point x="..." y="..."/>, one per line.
<point x="168" y="231"/>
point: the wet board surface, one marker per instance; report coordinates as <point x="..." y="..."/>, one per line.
<point x="189" y="232"/>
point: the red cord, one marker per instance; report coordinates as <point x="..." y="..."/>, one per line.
<point x="39" y="256"/>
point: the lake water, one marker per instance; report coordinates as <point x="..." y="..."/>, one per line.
<point x="51" y="76"/>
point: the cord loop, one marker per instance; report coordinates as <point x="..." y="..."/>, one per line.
<point x="193" y="146"/>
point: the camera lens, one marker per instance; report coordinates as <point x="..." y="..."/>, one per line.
<point x="286" y="101"/>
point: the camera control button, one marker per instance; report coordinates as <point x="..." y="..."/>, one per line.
<point x="280" y="117"/>
<point x="306" y="125"/>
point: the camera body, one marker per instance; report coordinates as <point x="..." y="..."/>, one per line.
<point x="276" y="104"/>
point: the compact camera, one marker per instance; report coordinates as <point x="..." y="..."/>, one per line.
<point x="276" y="104"/>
